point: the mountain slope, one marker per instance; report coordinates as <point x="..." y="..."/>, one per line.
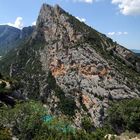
<point x="8" y="37"/>
<point x="75" y="70"/>
<point x="11" y="37"/>
<point x="137" y="52"/>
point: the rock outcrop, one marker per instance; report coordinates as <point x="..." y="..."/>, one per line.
<point x="88" y="69"/>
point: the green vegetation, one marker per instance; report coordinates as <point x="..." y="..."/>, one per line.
<point x="29" y="68"/>
<point x="7" y="61"/>
<point x="2" y="85"/>
<point x="26" y="122"/>
<point x="83" y="28"/>
<point x="125" y="115"/>
<point x="26" y="66"/>
<point x="87" y="124"/>
<point x="99" y="97"/>
<point x="12" y="84"/>
<point x="24" y="118"/>
<point x="3" y="90"/>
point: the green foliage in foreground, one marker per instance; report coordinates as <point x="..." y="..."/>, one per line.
<point x="125" y="115"/>
<point x="24" y="118"/>
<point x="26" y="122"/>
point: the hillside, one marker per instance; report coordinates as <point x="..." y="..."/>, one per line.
<point x="73" y="69"/>
<point x="137" y="52"/>
<point x="11" y="37"/>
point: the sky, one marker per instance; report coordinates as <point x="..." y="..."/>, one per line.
<point x="118" y="19"/>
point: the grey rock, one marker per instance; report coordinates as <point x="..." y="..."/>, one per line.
<point x="77" y="65"/>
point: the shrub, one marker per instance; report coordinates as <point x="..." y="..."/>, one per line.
<point x="87" y="124"/>
<point x="68" y="106"/>
<point x="24" y="118"/>
<point x="2" y="85"/>
<point x="125" y="115"/>
<point x="26" y="121"/>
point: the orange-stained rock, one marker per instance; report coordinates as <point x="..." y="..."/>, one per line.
<point x="103" y="72"/>
<point x="87" y="101"/>
<point x="57" y="71"/>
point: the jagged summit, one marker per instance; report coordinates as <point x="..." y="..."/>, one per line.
<point x="75" y="70"/>
<point x="55" y="20"/>
<point x="47" y="11"/>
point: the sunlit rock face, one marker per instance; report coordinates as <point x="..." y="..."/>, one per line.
<point x="78" y="69"/>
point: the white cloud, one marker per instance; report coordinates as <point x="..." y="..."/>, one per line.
<point x="34" y="23"/>
<point x="125" y="33"/>
<point x="117" y="33"/>
<point x="111" y="33"/>
<point x="128" y="7"/>
<point x="17" y="24"/>
<point x="86" y="1"/>
<point x="81" y="19"/>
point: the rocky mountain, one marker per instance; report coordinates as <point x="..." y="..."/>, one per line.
<point x="75" y="70"/>
<point x="11" y="37"/>
<point x="137" y="52"/>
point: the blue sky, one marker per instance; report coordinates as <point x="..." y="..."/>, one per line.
<point x="118" y="19"/>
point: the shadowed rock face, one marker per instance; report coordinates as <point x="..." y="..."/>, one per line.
<point x="8" y="37"/>
<point x="87" y="66"/>
<point x="11" y="37"/>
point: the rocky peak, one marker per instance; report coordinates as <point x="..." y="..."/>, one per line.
<point x="87" y="69"/>
<point x="74" y="55"/>
<point x="45" y="13"/>
<point x="48" y="12"/>
<point x="55" y="23"/>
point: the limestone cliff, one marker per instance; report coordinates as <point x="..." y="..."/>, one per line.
<point x="74" y="68"/>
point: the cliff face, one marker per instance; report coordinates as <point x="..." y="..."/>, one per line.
<point x="74" y="69"/>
